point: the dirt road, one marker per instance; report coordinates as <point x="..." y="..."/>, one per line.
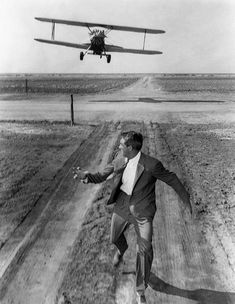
<point x="66" y="247"/>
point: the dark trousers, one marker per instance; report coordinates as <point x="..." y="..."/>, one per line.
<point x="121" y="218"/>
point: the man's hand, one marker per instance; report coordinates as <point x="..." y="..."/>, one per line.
<point x="79" y="174"/>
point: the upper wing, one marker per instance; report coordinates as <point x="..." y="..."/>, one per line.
<point x="108" y="26"/>
<point x="69" y="44"/>
<point x="115" y="48"/>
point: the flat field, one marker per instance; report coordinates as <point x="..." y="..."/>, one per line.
<point x="31" y="155"/>
<point x="63" y="84"/>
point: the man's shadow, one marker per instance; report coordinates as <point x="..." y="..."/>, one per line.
<point x="202" y="296"/>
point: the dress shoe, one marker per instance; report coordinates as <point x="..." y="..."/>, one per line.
<point x="141" y="299"/>
<point x="117" y="259"/>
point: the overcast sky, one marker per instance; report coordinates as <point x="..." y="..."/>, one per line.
<point x="199" y="38"/>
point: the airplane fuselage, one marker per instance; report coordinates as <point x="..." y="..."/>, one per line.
<point x="97" y="42"/>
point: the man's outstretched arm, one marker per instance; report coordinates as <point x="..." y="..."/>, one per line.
<point x="95" y="178"/>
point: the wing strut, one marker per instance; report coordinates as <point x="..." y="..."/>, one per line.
<point x="53" y="31"/>
<point x="144" y="38"/>
<point x="89" y="29"/>
<point x="87" y="50"/>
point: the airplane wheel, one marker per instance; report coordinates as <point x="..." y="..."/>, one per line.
<point x="108" y="58"/>
<point x="81" y="55"/>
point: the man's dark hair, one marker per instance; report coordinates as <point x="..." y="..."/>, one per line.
<point x="133" y="139"/>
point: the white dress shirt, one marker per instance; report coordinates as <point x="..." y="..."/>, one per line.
<point x="129" y="173"/>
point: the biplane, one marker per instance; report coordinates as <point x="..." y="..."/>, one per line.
<point x="97" y="45"/>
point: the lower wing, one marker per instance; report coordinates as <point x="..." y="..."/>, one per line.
<point x="108" y="47"/>
<point x="115" y="48"/>
<point x="69" y="44"/>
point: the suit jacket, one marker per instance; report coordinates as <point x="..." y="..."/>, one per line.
<point x="149" y="169"/>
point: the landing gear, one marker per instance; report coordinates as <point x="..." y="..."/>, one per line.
<point x="108" y="58"/>
<point x="81" y="55"/>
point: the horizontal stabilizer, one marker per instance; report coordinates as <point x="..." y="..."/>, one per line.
<point x="107" y="26"/>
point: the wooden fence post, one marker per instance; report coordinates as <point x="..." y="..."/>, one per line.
<point x="26" y="86"/>
<point x="72" y="112"/>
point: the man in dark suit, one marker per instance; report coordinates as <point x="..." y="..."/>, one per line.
<point x="134" y="175"/>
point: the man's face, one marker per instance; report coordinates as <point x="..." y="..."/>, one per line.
<point x="125" y="149"/>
